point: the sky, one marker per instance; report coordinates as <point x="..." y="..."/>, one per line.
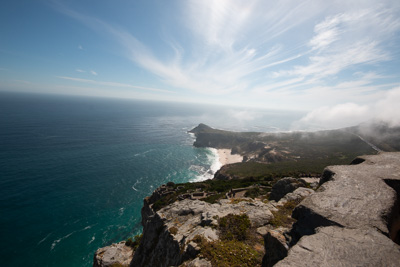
<point x="337" y="60"/>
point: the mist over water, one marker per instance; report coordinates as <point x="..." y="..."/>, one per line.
<point x="75" y="170"/>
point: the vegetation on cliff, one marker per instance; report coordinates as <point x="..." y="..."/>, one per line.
<point x="216" y="189"/>
<point x="271" y="155"/>
<point x="237" y="246"/>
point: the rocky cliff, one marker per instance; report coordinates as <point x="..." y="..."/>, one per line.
<point x="352" y="219"/>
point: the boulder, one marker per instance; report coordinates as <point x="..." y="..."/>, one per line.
<point x="284" y="186"/>
<point x="112" y="255"/>
<point x="297" y="195"/>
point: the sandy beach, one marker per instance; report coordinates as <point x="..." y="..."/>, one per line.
<point x="225" y="157"/>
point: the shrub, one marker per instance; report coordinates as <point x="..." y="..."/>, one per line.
<point x="135" y="242"/>
<point x="214" y="198"/>
<point x="173" y="230"/>
<point x="282" y="217"/>
<point x="234" y="227"/>
<point x="253" y="192"/>
<point x="128" y="242"/>
<point x="230" y="253"/>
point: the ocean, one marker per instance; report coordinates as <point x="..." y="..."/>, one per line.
<point x="74" y="170"/>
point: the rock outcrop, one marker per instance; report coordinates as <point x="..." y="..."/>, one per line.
<point x="117" y="253"/>
<point x="168" y="233"/>
<point x="337" y="246"/>
<point x="352" y="219"/>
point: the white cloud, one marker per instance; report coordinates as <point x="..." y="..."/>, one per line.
<point x="386" y="109"/>
<point x="81" y="71"/>
<point x="280" y="53"/>
<point x="347" y="40"/>
<point x="93" y="72"/>
<point x="342" y="115"/>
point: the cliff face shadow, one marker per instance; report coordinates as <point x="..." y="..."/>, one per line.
<point x="394" y="217"/>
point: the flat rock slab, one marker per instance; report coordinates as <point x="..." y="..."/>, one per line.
<point x="335" y="246"/>
<point x="353" y="196"/>
<point x="348" y="220"/>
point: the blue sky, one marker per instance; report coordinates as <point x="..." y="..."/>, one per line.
<point x="338" y="60"/>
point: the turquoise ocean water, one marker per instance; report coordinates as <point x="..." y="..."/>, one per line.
<point x="74" y="171"/>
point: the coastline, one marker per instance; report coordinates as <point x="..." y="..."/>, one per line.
<point x="225" y="157"/>
<point x="217" y="158"/>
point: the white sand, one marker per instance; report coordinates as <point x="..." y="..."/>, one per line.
<point x="225" y="157"/>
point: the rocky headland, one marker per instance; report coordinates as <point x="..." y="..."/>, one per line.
<point x="349" y="216"/>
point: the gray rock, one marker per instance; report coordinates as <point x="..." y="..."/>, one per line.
<point x="199" y="263"/>
<point x="335" y="246"/>
<point x="259" y="215"/>
<point x="353" y="196"/>
<point x="113" y="254"/>
<point x="284" y="186"/>
<point x="297" y="195"/>
<point x="187" y="219"/>
<point x="276" y="246"/>
<point x="349" y="219"/>
<point x="263" y="230"/>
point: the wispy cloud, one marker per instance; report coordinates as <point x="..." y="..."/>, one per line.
<point x="263" y="51"/>
<point x="80" y="47"/>
<point x="219" y="66"/>
<point x="113" y="84"/>
<point x="93" y="72"/>
<point x="80" y="70"/>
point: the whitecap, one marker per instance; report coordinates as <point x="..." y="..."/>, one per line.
<point x="213" y="162"/>
<point x="133" y="186"/>
<point x="197" y="168"/>
<point x="44" y="239"/>
<point x="144" y="153"/>
<point x="121" y="211"/>
<point x="55" y="242"/>
<point x="93" y="238"/>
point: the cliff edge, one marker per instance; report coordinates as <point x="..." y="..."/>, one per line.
<point x="352" y="219"/>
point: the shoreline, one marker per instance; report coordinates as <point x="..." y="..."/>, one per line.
<point x="225" y="157"/>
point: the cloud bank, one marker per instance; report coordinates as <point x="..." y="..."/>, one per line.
<point x="387" y="109"/>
